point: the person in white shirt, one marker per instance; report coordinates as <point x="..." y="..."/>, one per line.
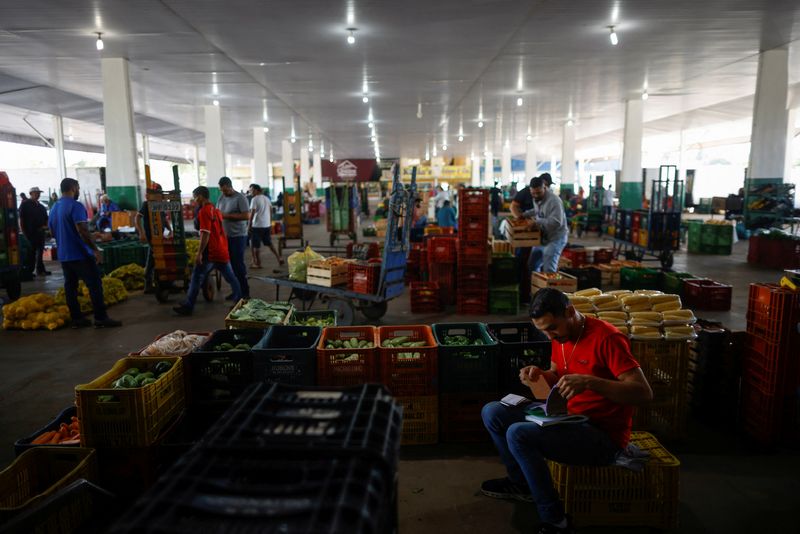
<point x="259" y="226"/>
<point x="608" y="202"/>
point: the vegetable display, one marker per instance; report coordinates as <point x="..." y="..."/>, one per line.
<point x="230" y="347"/>
<point x="131" y="276"/>
<point x="461" y="341"/>
<point x="257" y="310"/>
<point x="136" y="378"/>
<point x="402" y="341"/>
<point x="35" y="312"/>
<point x="67" y="434"/>
<point x="178" y="343"/>
<point x="328" y="320"/>
<point x="351" y="343"/>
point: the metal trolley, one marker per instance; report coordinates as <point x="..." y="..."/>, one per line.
<point x="292" y="216"/>
<point x="393" y="265"/>
<point x="342" y="213"/>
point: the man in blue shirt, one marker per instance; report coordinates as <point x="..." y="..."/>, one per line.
<point x="446" y="217"/>
<point x="78" y="255"/>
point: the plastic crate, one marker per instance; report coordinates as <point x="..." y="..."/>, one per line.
<point x="425" y="297"/>
<point x="504" y="267"/>
<point x="706" y="295"/>
<point x="473" y="227"/>
<point x="467" y="368"/>
<point x="473" y="252"/>
<point x="519" y="344"/>
<point x="409" y="371"/>
<point x="761" y="413"/>
<point x="240" y="324"/>
<point x="78" y="507"/>
<point x="587" y="277"/>
<point x="576" y="256"/>
<point x="619" y="497"/>
<point x="213" y="491"/>
<point x="771" y="367"/>
<point x="288" y="354"/>
<point x="460" y="416"/>
<point x="420" y="419"/>
<point x="472" y="302"/>
<point x="672" y="282"/>
<point x="473" y="201"/>
<point x="66" y="415"/>
<point x="137" y="416"/>
<point x="270" y="418"/>
<point x="40" y="472"/>
<point x="504" y="300"/>
<point x="444" y="274"/>
<point x="639" y="278"/>
<point x="333" y="369"/>
<point x="773" y="312"/>
<point x="441" y="249"/>
<point x="220" y="376"/>
<point x="329" y="316"/>
<point x="473" y="277"/>
<point x="602" y="255"/>
<point x="363" y="277"/>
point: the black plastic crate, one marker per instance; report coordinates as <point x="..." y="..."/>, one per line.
<point x="504" y="270"/>
<point x="219" y="375"/>
<point x="272" y="418"/>
<point x="520" y="344"/>
<point x="466" y="368"/>
<point x="588" y="277"/>
<point x="288" y="354"/>
<point x="66" y="415"/>
<point x="216" y="491"/>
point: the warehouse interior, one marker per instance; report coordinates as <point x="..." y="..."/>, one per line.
<point x="402" y="148"/>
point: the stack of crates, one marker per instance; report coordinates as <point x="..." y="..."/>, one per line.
<point x="770" y="370"/>
<point x="169" y="253"/>
<point x="622" y="224"/>
<point x="364" y="276"/>
<point x="665" y="364"/>
<point x="473" y="251"/>
<point x="664" y="233"/>
<point x="503" y="296"/>
<point x="411" y="374"/>
<point x="467" y="379"/>
<point x="519" y="345"/>
<point x="417" y="264"/>
<point x="425" y="297"/>
<point x="284" y="459"/>
<point x="441" y="256"/>
<point x="9" y="224"/>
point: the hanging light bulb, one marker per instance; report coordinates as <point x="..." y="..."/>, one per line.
<point x="460" y="138"/>
<point x="293" y="139"/>
<point x="215" y="102"/>
<point x="372" y="138"/>
<point x="365" y="99"/>
<point x="71" y="137"/>
<point x="99" y="43"/>
<point x="351" y="37"/>
<point x="480" y="124"/>
<point x="371" y="125"/>
<point x="519" y="101"/>
<point x="645" y="96"/>
<point x="266" y="129"/>
<point x="434" y="151"/>
<point x="613" y="36"/>
<point x="570" y="122"/>
<point x="529" y="137"/>
<point x="419" y="110"/>
<point x="444" y="148"/>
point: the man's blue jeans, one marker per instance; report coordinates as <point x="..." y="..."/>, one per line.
<point x="236" y="248"/>
<point x="88" y="271"/>
<point x="524" y="446"/>
<point x="545" y="258"/>
<point x="199" y="275"/>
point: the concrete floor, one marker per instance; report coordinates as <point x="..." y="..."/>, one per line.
<point x="725" y="486"/>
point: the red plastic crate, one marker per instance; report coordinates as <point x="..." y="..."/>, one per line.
<point x="577" y="256"/>
<point x="442" y="250"/>
<point x="460" y="416"/>
<point x="769" y="366"/>
<point x="706" y="295"/>
<point x="761" y="414"/>
<point x="773" y="312"/>
<point x="444" y="274"/>
<point x="473" y="277"/>
<point x="473" y="302"/>
<point x="473" y="252"/>
<point x="334" y="370"/>
<point x="473" y="228"/>
<point x="363" y="277"/>
<point x="426" y="297"/>
<point x="602" y="255"/>
<point x="409" y="371"/>
<point x="473" y="201"/>
<point x="363" y="251"/>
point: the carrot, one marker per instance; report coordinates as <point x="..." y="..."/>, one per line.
<point x="56" y="439"/>
<point x="74" y="440"/>
<point x="44" y="438"/>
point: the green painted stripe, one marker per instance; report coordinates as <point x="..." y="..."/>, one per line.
<point x="127" y="197"/>
<point x="564" y="188"/>
<point x="630" y="195"/>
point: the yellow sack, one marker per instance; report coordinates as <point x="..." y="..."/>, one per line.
<point x="298" y="263"/>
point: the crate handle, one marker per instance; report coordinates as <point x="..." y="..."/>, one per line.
<point x="277" y="359"/>
<point x="509" y="330"/>
<point x="406" y="333"/>
<point x="456" y="332"/>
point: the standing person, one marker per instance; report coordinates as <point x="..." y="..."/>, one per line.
<point x="235" y="214"/>
<point x="440" y="198"/>
<point x="33" y="220"/>
<point x="107" y="207"/>
<point x="608" y="202"/>
<point x="260" y="226"/>
<point x="548" y="213"/>
<point x="143" y="227"/>
<point x="595" y="372"/>
<point x="78" y="255"/>
<point x="212" y="254"/>
<point x="446" y="218"/>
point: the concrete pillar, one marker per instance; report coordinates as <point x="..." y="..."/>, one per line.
<point x="260" y="164"/>
<point x="505" y="165"/>
<point x="197" y="166"/>
<point x="476" y="170"/>
<point x="488" y="173"/>
<point x="531" y="167"/>
<point x="630" y="193"/>
<point x="787" y="172"/>
<point x="288" y="163"/>
<point x="553" y="165"/>
<point x="770" y="116"/>
<point x="568" y="159"/>
<point x="122" y="166"/>
<point x="682" y="159"/>
<point x="215" y="147"/>
<point x="305" y="174"/>
<point x="58" y="141"/>
<point x="145" y="149"/>
<point x="317" y="169"/>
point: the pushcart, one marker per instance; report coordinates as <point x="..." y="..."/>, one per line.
<point x="10" y="246"/>
<point x="292" y="216"/>
<point x="342" y="203"/>
<point x="392" y="272"/>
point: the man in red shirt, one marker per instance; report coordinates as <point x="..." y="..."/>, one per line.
<point x="212" y="254"/>
<point x="594" y="370"/>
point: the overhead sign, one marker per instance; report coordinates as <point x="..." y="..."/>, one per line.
<point x="347" y="170"/>
<point x="351" y="170"/>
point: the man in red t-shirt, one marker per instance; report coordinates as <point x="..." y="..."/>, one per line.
<point x="212" y="254"/>
<point x="592" y="366"/>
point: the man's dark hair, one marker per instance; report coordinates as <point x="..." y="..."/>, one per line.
<point x="446" y="203"/>
<point x="548" y="180"/>
<point x="201" y="191"/>
<point x="537" y="182"/>
<point x="256" y="187"/>
<point x="549" y="300"/>
<point x="225" y="181"/>
<point x="68" y="184"/>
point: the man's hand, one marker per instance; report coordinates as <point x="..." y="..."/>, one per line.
<point x="529" y="213"/>
<point x="198" y="259"/>
<point x="143" y="238"/>
<point x="571" y="385"/>
<point x="98" y="255"/>
<point x="530" y="374"/>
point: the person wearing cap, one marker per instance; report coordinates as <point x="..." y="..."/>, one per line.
<point x="235" y="216"/>
<point x="33" y="220"/>
<point x="143" y="228"/>
<point x="104" y="216"/>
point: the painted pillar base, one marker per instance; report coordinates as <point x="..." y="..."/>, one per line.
<point x="630" y="195"/>
<point x="214" y="193"/>
<point x="127" y="197"/>
<point x="567" y="189"/>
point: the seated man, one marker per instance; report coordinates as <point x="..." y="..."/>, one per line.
<point x="594" y="370"/>
<point x="104" y="216"/>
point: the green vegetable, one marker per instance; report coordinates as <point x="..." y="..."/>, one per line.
<point x="148" y="381"/>
<point x="462" y="341"/>
<point x="133" y="371"/>
<point x="162" y="367"/>
<point x="140" y="378"/>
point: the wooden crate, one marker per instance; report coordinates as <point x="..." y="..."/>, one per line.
<point x="327" y="275"/>
<point x="566" y="282"/>
<point x="238" y="324"/>
<point x="500" y="246"/>
<point x="522" y="236"/>
<point x="609" y="275"/>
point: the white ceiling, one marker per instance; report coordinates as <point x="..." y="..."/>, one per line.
<point x="698" y="59"/>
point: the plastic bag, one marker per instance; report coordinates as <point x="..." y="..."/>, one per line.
<point x="298" y="263"/>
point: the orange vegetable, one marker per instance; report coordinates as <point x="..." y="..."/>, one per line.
<point x="44" y="438"/>
<point x="56" y="438"/>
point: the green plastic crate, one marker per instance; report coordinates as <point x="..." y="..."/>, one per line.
<point x="672" y="282"/>
<point x="504" y="268"/>
<point x="504" y="300"/>
<point x="639" y="278"/>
